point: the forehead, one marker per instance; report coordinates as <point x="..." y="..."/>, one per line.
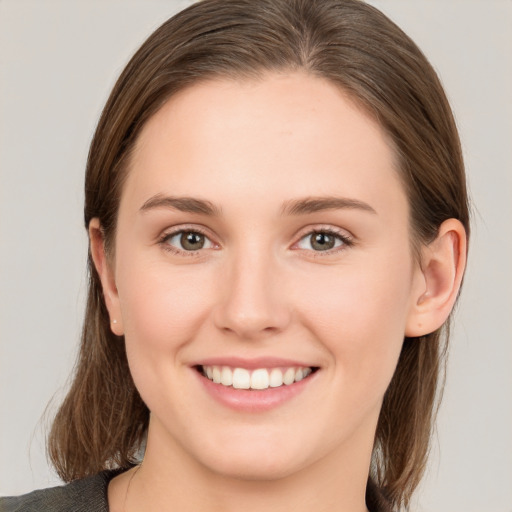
<point x="293" y="133"/>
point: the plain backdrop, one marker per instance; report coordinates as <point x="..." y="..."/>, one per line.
<point x="58" y="62"/>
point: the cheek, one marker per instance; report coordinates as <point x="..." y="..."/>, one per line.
<point x="162" y="308"/>
<point x="355" y="301"/>
<point x="359" y="315"/>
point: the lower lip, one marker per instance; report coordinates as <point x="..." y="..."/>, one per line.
<point x="245" y="400"/>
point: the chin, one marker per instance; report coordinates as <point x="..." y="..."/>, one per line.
<point x="258" y="469"/>
<point x="257" y="459"/>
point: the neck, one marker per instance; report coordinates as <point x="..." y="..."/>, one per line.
<point x="169" y="479"/>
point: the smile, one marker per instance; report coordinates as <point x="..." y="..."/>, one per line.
<point x="257" y="379"/>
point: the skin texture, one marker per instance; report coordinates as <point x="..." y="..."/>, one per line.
<point x="259" y="288"/>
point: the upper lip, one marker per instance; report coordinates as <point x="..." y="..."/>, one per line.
<point x="253" y="363"/>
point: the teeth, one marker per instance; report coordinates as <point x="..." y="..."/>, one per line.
<point x="276" y="378"/>
<point x="226" y="376"/>
<point x="261" y="378"/>
<point x="289" y="376"/>
<point x="241" y="378"/>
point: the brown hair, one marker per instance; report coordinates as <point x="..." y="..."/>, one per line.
<point x="103" y="420"/>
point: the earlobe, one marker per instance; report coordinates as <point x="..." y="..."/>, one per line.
<point x="106" y="274"/>
<point x="443" y="263"/>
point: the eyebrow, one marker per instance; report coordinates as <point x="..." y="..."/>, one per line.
<point x="183" y="204"/>
<point x="317" y="204"/>
<point x="301" y="206"/>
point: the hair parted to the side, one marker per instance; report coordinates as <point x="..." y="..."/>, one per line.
<point x="103" y="419"/>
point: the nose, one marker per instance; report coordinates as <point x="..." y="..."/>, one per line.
<point x="253" y="303"/>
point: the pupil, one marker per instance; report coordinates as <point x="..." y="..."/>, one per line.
<point x="192" y="241"/>
<point x="322" y="241"/>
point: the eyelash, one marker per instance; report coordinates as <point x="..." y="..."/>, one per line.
<point x="347" y="241"/>
<point x="163" y="241"/>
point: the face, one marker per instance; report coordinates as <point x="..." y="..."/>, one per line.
<point x="263" y="242"/>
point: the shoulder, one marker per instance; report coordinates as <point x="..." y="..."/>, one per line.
<point x="84" y="495"/>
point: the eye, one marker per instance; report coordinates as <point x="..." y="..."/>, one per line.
<point x="323" y="240"/>
<point x="186" y="241"/>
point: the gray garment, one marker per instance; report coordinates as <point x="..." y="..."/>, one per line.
<point x="84" y="495"/>
<point x="90" y="495"/>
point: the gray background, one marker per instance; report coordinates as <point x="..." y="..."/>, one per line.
<point x="58" y="61"/>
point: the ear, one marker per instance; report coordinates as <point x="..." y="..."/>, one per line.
<point x="438" y="281"/>
<point x="106" y="274"/>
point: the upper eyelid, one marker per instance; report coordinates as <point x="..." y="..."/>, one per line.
<point x="171" y="233"/>
<point x="346" y="239"/>
<point x="300" y="233"/>
<point x="184" y="228"/>
<point x="319" y="228"/>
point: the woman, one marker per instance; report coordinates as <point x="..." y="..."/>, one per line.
<point x="277" y="212"/>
